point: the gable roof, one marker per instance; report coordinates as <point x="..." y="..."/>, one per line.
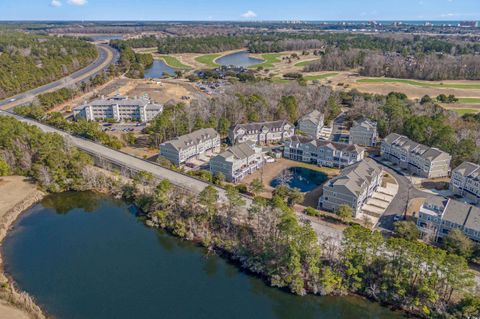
<point x="238" y="152"/>
<point x="315" y="116"/>
<point x="317" y="143"/>
<point x="258" y="126"/>
<point x="194" y="138"/>
<point x="426" y="152"/>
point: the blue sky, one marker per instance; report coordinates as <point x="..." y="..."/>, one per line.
<point x="239" y="9"/>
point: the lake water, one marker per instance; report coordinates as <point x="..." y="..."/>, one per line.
<point x="158" y="70"/>
<point x="238" y="59"/>
<point x="302" y="178"/>
<point x="87" y="256"/>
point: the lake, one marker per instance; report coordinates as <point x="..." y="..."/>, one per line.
<point x="87" y="256"/>
<point x="302" y="178"/>
<point x="238" y="59"/>
<point x="158" y="70"/>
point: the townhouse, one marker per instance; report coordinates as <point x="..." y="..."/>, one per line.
<point x="353" y="187"/>
<point x="118" y="108"/>
<point x="439" y="215"/>
<point x="418" y="159"/>
<point x="190" y="145"/>
<point x="237" y="162"/>
<point x="261" y="133"/>
<point x="311" y="124"/>
<point x="363" y="132"/>
<point x="465" y="181"/>
<point x="322" y="152"/>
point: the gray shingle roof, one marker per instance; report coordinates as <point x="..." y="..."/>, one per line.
<point x="259" y="125"/>
<point x="196" y="137"/>
<point x="324" y="143"/>
<point x="429" y="153"/>
<point x="239" y="151"/>
<point x="466" y="168"/>
<point x="314" y="116"/>
<point x="357" y="177"/>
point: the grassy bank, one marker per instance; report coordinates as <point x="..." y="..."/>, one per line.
<point x="269" y="60"/>
<point x="173" y="62"/>
<point x="464" y="111"/>
<point x="209" y="59"/>
<point x="472" y="86"/>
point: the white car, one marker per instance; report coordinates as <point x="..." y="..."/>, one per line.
<point x="12" y="100"/>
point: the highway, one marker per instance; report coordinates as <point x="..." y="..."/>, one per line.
<point x="106" y="56"/>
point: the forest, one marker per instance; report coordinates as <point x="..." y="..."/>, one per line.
<point x="29" y="60"/>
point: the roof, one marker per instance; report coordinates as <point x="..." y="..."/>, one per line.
<point x="120" y="100"/>
<point x="194" y="138"/>
<point x="356" y="178"/>
<point x="365" y="123"/>
<point x="238" y="152"/>
<point x="314" y="116"/>
<point x="473" y="219"/>
<point x="426" y="152"/>
<point x="459" y="213"/>
<point x="466" y="168"/>
<point x="324" y="143"/>
<point x="259" y="125"/>
<point x="437" y="201"/>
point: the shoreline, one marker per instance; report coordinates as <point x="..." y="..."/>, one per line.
<point x="15" y="303"/>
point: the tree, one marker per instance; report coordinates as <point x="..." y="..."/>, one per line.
<point x="4" y="168"/>
<point x="345" y="212"/>
<point x="256" y="186"/>
<point x="218" y="178"/>
<point x="407" y="230"/>
<point x="457" y="243"/>
<point x="295" y="196"/>
<point x="162" y="191"/>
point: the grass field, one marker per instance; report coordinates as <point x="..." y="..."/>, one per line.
<point x="277" y="79"/>
<point x="269" y="60"/>
<point x="464" y="111"/>
<point x="469" y="100"/>
<point x="319" y="76"/>
<point x="208" y="60"/>
<point x="173" y="62"/>
<point x="422" y="83"/>
<point x="303" y="63"/>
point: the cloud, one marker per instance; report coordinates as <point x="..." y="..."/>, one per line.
<point x="249" y="14"/>
<point x="55" y="3"/>
<point x="77" y="2"/>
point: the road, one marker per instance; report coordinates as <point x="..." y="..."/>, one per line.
<point x="106" y="56"/>
<point x="406" y="192"/>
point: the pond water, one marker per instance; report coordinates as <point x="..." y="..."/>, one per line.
<point x="87" y="256"/>
<point x="302" y="178"/>
<point x="238" y="59"/>
<point x="158" y="70"/>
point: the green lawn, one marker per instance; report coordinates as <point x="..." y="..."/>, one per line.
<point x="269" y="60"/>
<point x="422" y="83"/>
<point x="464" y="111"/>
<point x="319" y="76"/>
<point x="277" y="79"/>
<point x="173" y="62"/>
<point x="208" y="59"/>
<point x="469" y="100"/>
<point x="303" y="63"/>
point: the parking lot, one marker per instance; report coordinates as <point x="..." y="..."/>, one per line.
<point x="123" y="127"/>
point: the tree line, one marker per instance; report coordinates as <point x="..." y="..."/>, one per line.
<point x="269" y="239"/>
<point x="28" y="60"/>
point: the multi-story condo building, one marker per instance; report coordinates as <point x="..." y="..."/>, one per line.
<point x="465" y="181"/>
<point x="322" y="152"/>
<point x="261" y="133"/>
<point x="363" y="132"/>
<point x="353" y="187"/>
<point x="187" y="146"/>
<point x="311" y="124"/>
<point x="439" y="215"/>
<point x="418" y="159"/>
<point x="237" y="162"/>
<point x="118" y="108"/>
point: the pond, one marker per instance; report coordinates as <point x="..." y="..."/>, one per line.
<point x="87" y="256"/>
<point x="238" y="59"/>
<point x="302" y="178"/>
<point x="158" y="69"/>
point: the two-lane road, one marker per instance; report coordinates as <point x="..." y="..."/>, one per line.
<point x="106" y="56"/>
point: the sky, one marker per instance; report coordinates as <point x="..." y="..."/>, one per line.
<point x="241" y="10"/>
